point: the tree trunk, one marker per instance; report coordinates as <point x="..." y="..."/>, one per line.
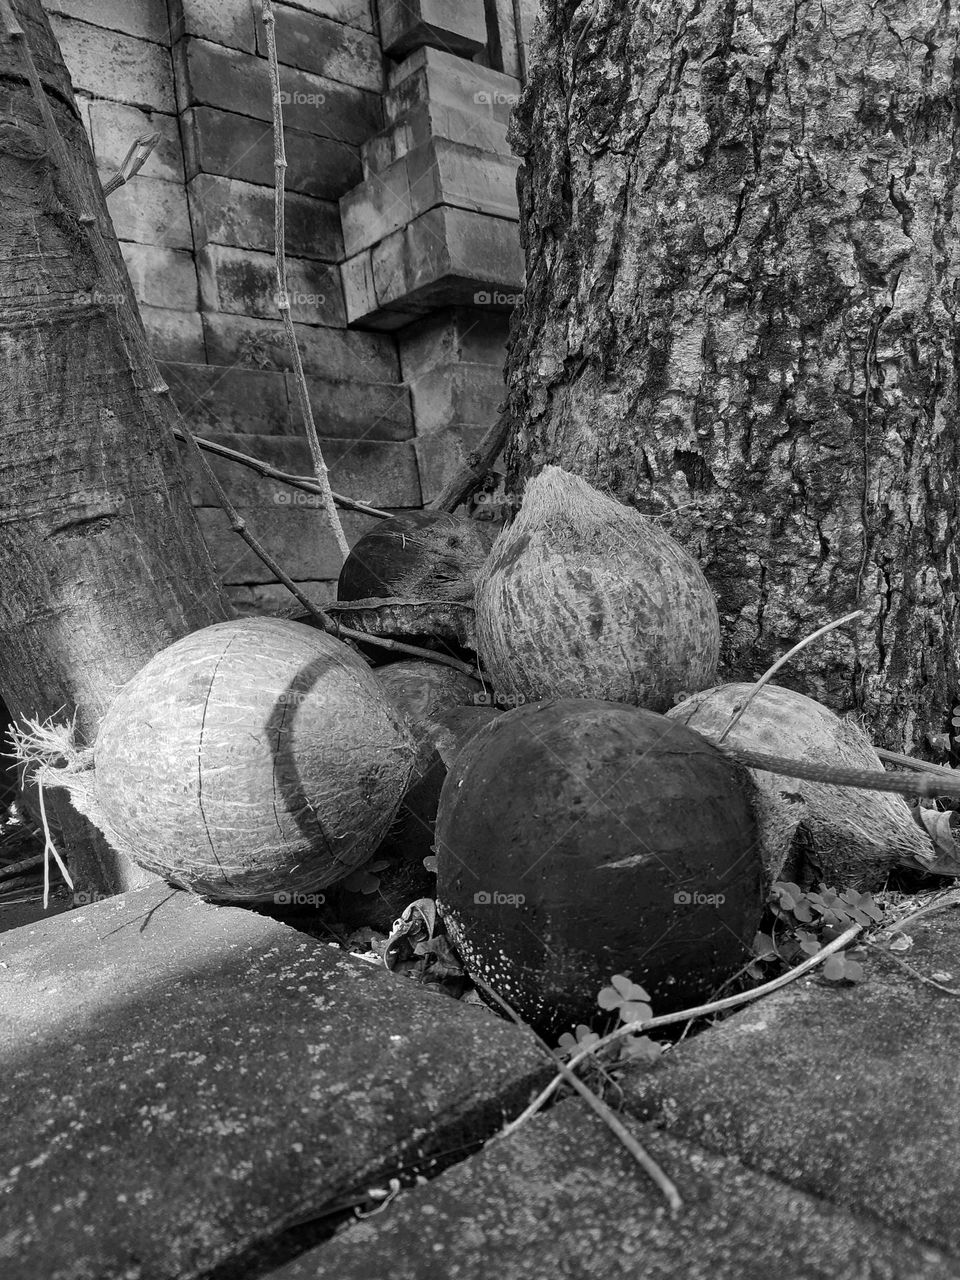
<point x="101" y="560"/>
<point x="740" y="316"/>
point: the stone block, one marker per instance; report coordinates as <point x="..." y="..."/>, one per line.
<point x="114" y="126"/>
<point x="355" y="410"/>
<point x="230" y="24"/>
<point x="441" y="454"/>
<point x="461" y="393"/>
<point x="430" y="75"/>
<point x="378" y="473"/>
<point x="296" y="534"/>
<point x="375" y="208"/>
<point x="327" y="48"/>
<point x="477" y="335"/>
<point x="228" y="211"/>
<point x="181" y="1082"/>
<point x="174" y="335"/>
<point x="354" y="13"/>
<point x="436" y="173"/>
<point x="239" y="146"/>
<point x="332" y="353"/>
<point x="243" y="282"/>
<point x="561" y="1198"/>
<point x="143" y="18"/>
<point x="217" y="399"/>
<point x="212" y="75"/>
<point x="458" y="26"/>
<point x="108" y="64"/>
<point x="847" y="1091"/>
<point x="445" y="258"/>
<point x="471" y="127"/>
<point x="161" y="277"/>
<point x="442" y="172"/>
<point x="151" y="212"/>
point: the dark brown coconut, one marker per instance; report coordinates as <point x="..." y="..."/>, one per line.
<point x="432" y="555"/>
<point x="579" y="839"/>
<point x="582" y="597"/>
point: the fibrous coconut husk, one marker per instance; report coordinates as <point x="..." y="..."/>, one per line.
<point x="453" y="621"/>
<point x="251" y="758"/>
<point x="584" y="597"/>
<point x="430" y="555"/>
<point x="809" y="830"/>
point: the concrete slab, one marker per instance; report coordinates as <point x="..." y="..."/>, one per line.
<point x="179" y="1082"/>
<point x="851" y="1093"/>
<point x="561" y="1198"/>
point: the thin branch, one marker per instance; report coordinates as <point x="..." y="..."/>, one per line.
<point x="914" y="973"/>
<point x="471" y="474"/>
<point x="782" y="661"/>
<point x="699" y="1011"/>
<point x="919" y="766"/>
<point x="597" y="1104"/>
<point x="283" y="298"/>
<point x="133" y="162"/>
<point x="274" y="473"/>
<point x="323" y="619"/>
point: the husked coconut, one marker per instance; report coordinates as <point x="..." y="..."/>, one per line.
<point x="250" y="758"/>
<point x="583" y="597"/>
<point x="810" y="830"/>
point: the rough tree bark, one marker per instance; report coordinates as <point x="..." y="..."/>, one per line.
<point x="741" y="315"/>
<point x="101" y="560"/>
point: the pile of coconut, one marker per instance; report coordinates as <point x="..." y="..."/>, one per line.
<point x="559" y="754"/>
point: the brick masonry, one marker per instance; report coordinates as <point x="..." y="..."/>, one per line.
<point x="403" y="254"/>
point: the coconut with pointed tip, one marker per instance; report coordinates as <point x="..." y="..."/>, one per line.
<point x="582" y="597"/>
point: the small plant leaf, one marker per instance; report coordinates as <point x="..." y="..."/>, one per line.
<point x="763" y="948"/>
<point x="634" y="1011"/>
<point x="628" y="990"/>
<point x="839" y="968"/>
<point x="641" y="1048"/>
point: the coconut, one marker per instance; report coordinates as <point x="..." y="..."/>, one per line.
<point x="584" y="597"/>
<point x="423" y="692"/>
<point x="430" y="555"/>
<point x="578" y="839"/>
<point x="250" y="758"/>
<point x="848" y="838"/>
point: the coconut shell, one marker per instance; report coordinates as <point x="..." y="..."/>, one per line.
<point x="419" y="690"/>
<point x="421" y="621"/>
<point x="847" y="838"/>
<point x="578" y="839"/>
<point x="584" y="597"/>
<point x="432" y="555"/>
<point x="252" y="757"/>
<point x="423" y="692"/>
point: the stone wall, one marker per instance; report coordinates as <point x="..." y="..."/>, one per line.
<point x="403" y="256"/>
